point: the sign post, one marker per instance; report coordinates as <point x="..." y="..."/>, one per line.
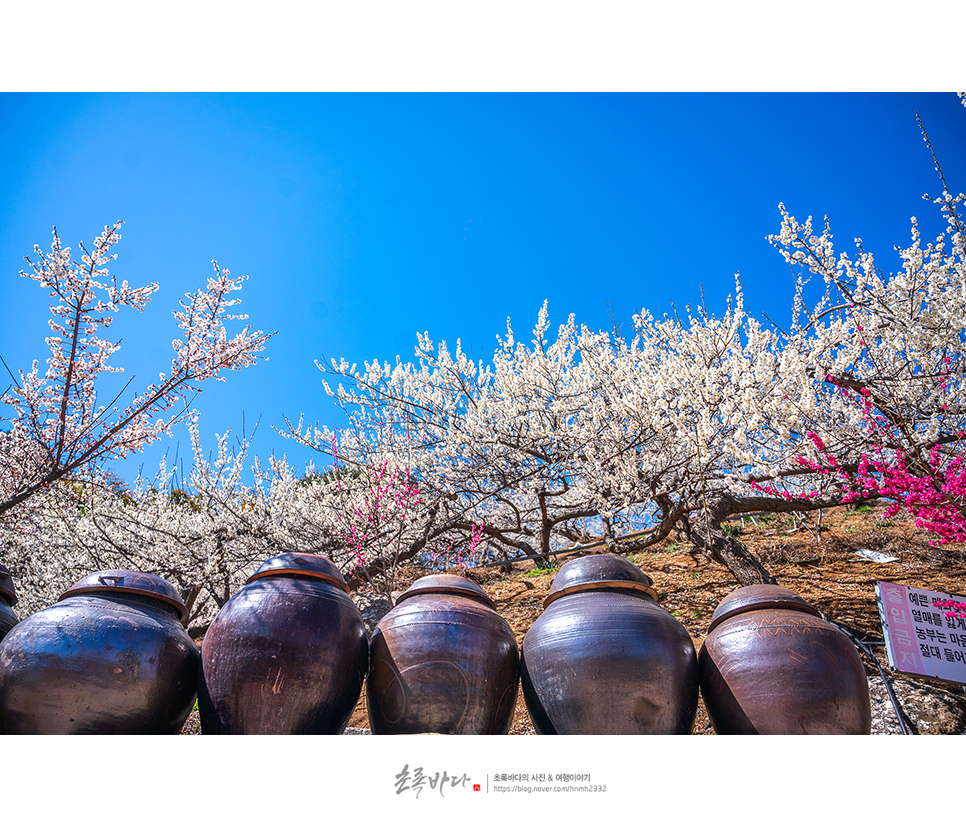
<point x="920" y="638"/>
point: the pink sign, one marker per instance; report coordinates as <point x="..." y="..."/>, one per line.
<point x="919" y="637"/>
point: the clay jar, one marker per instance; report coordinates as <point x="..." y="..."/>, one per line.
<point x="110" y="656"/>
<point x="8" y="599"/>
<point x="772" y="665"/>
<point x="443" y="661"/>
<point x="286" y="655"/>
<point x="605" y="658"/>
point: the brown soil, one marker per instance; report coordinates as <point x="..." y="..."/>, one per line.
<point x="825" y="570"/>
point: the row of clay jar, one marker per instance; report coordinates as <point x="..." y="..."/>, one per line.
<point x="289" y="654"/>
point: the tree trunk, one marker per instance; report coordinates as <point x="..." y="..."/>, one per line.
<point x="544" y="562"/>
<point x="724" y="549"/>
<point x="190" y="597"/>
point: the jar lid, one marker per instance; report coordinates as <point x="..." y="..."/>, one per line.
<point x="599" y="572"/>
<point x="445" y="583"/>
<point x="306" y="565"/>
<point x="755" y="597"/>
<point x="6" y="585"/>
<point x="128" y="582"/>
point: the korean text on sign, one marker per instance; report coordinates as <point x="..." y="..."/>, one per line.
<point x="925" y="631"/>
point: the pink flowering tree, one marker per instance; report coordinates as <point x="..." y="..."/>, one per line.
<point x="927" y="482"/>
<point x="891" y="364"/>
<point x="375" y="521"/>
<point x="58" y="426"/>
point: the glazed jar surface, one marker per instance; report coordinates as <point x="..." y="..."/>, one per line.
<point x="443" y="661"/>
<point x="8" y="599"/>
<point x="772" y="665"/>
<point x="111" y="656"/>
<point x="286" y="655"/>
<point x="604" y="658"/>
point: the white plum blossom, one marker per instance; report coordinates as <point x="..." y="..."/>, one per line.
<point x="58" y="425"/>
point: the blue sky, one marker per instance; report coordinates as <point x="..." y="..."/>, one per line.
<point x="364" y="218"/>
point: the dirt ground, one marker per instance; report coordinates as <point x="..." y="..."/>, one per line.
<point x="823" y="566"/>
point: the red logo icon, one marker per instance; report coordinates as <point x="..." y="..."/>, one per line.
<point x="476" y="787"/>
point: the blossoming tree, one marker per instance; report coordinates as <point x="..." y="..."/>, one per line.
<point x="572" y="438"/>
<point x="61" y="435"/>
<point x="57" y="425"/>
<point x="696" y="419"/>
<point x="206" y="527"/>
<point x="890" y="352"/>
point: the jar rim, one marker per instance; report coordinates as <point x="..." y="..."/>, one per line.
<point x="599" y="572"/>
<point x="637" y="588"/>
<point x="304" y="565"/>
<point x="757" y="598"/>
<point x="136" y="583"/>
<point x="447" y="583"/>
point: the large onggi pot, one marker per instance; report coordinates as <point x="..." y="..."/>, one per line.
<point x="8" y="599"/>
<point x="110" y="656"/>
<point x="605" y="658"/>
<point x="772" y="665"/>
<point x="443" y="661"/>
<point x="286" y="655"/>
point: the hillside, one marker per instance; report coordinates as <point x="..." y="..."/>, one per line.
<point x="827" y="572"/>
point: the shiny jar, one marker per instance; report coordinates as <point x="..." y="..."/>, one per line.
<point x="286" y="655"/>
<point x="110" y="656"/>
<point x="443" y="661"/>
<point x="8" y="599"/>
<point x="771" y="665"/>
<point x="605" y="659"/>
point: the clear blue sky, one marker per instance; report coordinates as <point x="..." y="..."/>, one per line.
<point x="364" y="218"/>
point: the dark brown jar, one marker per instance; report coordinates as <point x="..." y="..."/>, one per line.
<point x="605" y="658"/>
<point x="110" y="656"/>
<point x="443" y="661"/>
<point x="287" y="655"/>
<point x="8" y="599"/>
<point x="772" y="665"/>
